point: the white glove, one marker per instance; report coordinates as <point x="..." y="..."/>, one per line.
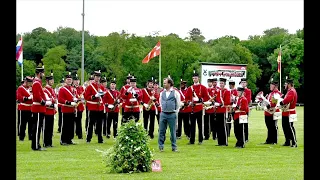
<point x="145" y="105"/>
<point x="73" y="104"/>
<point x="48" y="103"/>
<point x="75" y="99"/>
<point x="97" y="95"/>
<point x="55" y="106"/>
<point x="233" y="105"/>
<point x="118" y="101"/>
<point x="216" y="104"/>
<point x="195" y="99"/>
<point x="30" y="97"/>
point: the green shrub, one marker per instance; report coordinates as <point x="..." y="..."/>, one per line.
<point x="131" y="152"/>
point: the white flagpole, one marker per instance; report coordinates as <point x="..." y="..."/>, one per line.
<point x="82" y="58"/>
<point x="21" y="58"/>
<point x="160" y="66"/>
<point x="280" y="66"/>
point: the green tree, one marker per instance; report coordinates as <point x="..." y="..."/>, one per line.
<point x="29" y="67"/>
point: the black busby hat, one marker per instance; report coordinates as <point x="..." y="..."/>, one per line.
<point x="223" y="79"/>
<point x="91" y="77"/>
<point x="210" y="79"/>
<point x="113" y="80"/>
<point x="243" y="79"/>
<point x="129" y="76"/>
<point x="151" y="80"/>
<point x="76" y="77"/>
<point x="97" y="73"/>
<point x="22" y="81"/>
<point x="195" y="74"/>
<point x="240" y="88"/>
<point x="62" y="80"/>
<point x="276" y="83"/>
<point x="103" y="80"/>
<point x="290" y="81"/>
<point x="40" y="69"/>
<point x="68" y="75"/>
<point x="214" y="79"/>
<point x="50" y="77"/>
<point x="232" y="82"/>
<point x="28" y="79"/>
<point x="156" y="82"/>
<point x="133" y="79"/>
<point x="182" y="81"/>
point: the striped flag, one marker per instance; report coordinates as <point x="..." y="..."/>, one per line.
<point x="19" y="52"/>
<point x="153" y="53"/>
<point x="279" y="60"/>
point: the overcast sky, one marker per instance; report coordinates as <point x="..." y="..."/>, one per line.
<point x="215" y="18"/>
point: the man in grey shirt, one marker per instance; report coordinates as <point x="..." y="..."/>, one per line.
<point x="170" y="103"/>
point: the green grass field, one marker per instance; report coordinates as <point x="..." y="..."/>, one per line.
<point x="205" y="161"/>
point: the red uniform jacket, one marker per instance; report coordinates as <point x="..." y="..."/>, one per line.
<point x="247" y="94"/>
<point x="201" y="92"/>
<point x="109" y="98"/>
<point x="17" y="99"/>
<point x="132" y="106"/>
<point x="50" y="110"/>
<point x="22" y="96"/>
<point x="122" y="91"/>
<point x="79" y="94"/>
<point x="183" y="92"/>
<point x="242" y="108"/>
<point x="59" y="105"/>
<point x="93" y="103"/>
<point x="291" y="97"/>
<point x="38" y="97"/>
<point x="212" y="92"/>
<point x="269" y="98"/>
<point x="224" y="99"/>
<point x="66" y="94"/>
<point x="146" y="94"/>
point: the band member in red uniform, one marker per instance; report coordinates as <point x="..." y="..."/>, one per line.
<point x="196" y="94"/>
<point x="132" y="98"/>
<point x="80" y="106"/>
<point x="91" y="80"/>
<point x="247" y="94"/>
<point x="234" y="94"/>
<point x="157" y="91"/>
<point x="213" y="121"/>
<point x="112" y="101"/>
<point x="122" y="91"/>
<point x="67" y="98"/>
<point x="289" y="115"/>
<point x="241" y="108"/>
<point x="149" y="109"/>
<point x="62" y="83"/>
<point x="24" y="96"/>
<point x="223" y="100"/>
<point x="18" y="109"/>
<point x="103" y="82"/>
<point x="38" y="108"/>
<point x="209" y="119"/>
<point x="48" y="122"/>
<point x="184" y="112"/>
<point x="269" y="118"/>
<point x="94" y="94"/>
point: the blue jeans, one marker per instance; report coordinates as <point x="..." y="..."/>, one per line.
<point x="165" y="120"/>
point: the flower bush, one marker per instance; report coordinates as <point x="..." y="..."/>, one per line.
<point x="131" y="152"/>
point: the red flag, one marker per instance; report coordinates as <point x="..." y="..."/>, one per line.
<point x="279" y="60"/>
<point x="153" y="53"/>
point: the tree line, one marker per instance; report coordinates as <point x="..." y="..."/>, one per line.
<point x="119" y="53"/>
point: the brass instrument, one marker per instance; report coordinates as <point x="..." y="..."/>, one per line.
<point x="151" y="101"/>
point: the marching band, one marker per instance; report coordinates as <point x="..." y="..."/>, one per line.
<point x="212" y="108"/>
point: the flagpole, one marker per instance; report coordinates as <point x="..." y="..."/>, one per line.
<point x="22" y="59"/>
<point x="160" y="65"/>
<point x="280" y="67"/>
<point x="82" y="58"/>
